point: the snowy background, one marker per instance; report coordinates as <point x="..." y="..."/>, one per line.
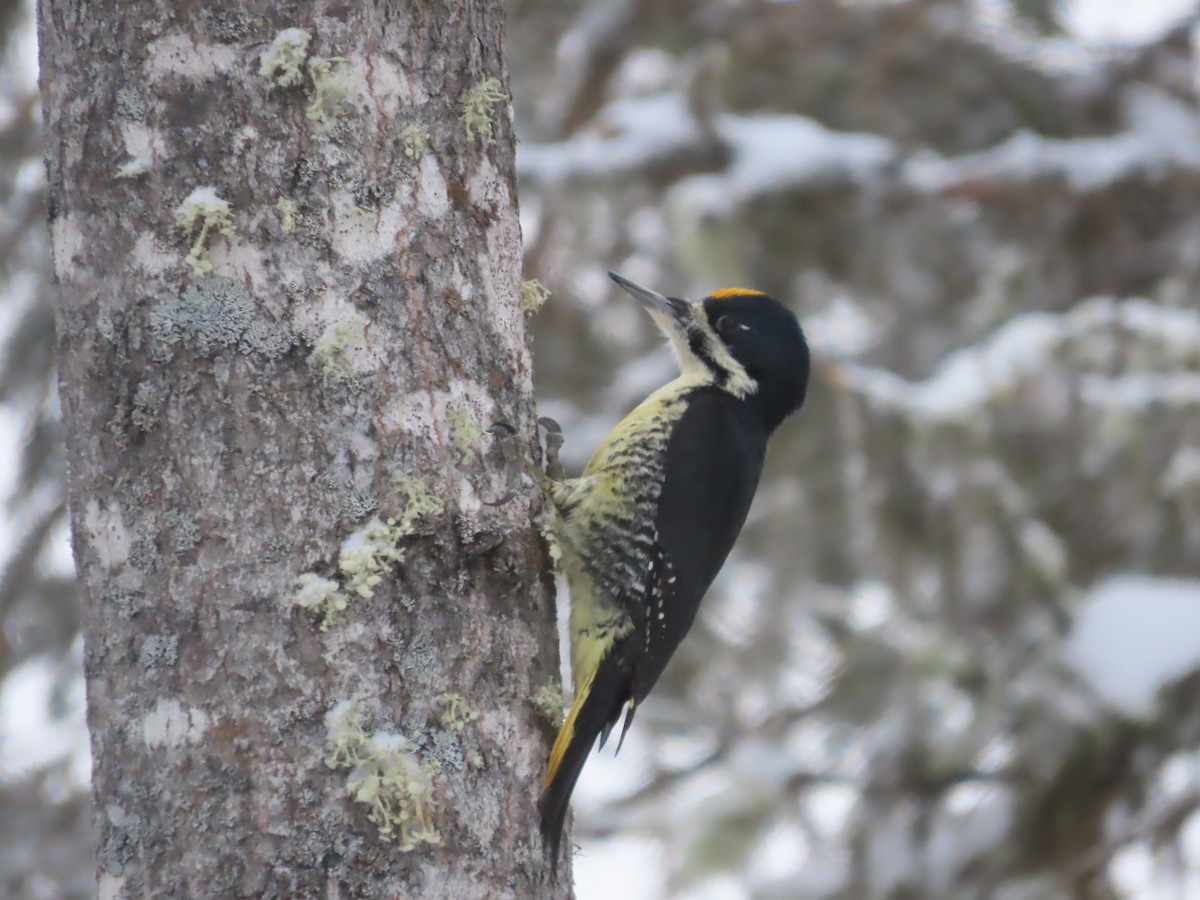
<point x="957" y="652"/>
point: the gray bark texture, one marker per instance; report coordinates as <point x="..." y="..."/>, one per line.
<point x="287" y="255"/>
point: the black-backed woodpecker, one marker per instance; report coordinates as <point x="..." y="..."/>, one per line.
<point x="649" y="524"/>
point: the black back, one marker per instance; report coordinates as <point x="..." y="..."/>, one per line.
<point x="713" y="461"/>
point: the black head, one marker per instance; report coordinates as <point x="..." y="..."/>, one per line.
<point x="744" y="342"/>
<point x="764" y="337"/>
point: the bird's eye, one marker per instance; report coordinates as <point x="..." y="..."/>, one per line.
<point x="727" y="325"/>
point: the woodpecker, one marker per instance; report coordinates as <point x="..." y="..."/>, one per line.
<point x="649" y="524"/>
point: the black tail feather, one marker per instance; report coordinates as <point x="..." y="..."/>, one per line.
<point x="596" y="711"/>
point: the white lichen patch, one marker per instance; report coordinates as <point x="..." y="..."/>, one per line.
<point x="432" y="197"/>
<point x="177" y="55"/>
<point x="110" y="887"/>
<point x="386" y="775"/>
<point x="283" y="62"/>
<point x="477" y="115"/>
<point x="361" y="236"/>
<point x="151" y="256"/>
<point x="384" y="82"/>
<point x="202" y="211"/>
<point x="289" y="213"/>
<point x="67" y="246"/>
<point x="143" y="145"/>
<point x="368" y="554"/>
<point x="322" y="597"/>
<point x="106" y="534"/>
<point x="341" y="352"/>
<point x="244" y="262"/>
<point x="171" y="724"/>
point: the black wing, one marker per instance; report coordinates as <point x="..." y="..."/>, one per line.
<point x="713" y="461"/>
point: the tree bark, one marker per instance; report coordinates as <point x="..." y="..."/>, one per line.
<point x="287" y="266"/>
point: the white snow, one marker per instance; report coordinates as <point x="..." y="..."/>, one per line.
<point x="628" y="133"/>
<point x="283" y="61"/>
<point x="171" y="724"/>
<point x="1026" y="345"/>
<point x="30" y="737"/>
<point x="1123" y="21"/>
<point x="767" y="150"/>
<point x="1161" y="133"/>
<point x="1135" y="634"/>
<point x="202" y="201"/>
<point x="843" y="329"/>
<point x="968" y="377"/>
<point x="1142" y="389"/>
<point x="629" y="868"/>
<point x="144" y="145"/>
<point x="770" y="151"/>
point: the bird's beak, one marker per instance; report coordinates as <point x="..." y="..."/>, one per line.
<point x="672" y="315"/>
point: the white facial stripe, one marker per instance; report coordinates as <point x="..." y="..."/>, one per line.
<point x="693" y="369"/>
<point x="740" y="384"/>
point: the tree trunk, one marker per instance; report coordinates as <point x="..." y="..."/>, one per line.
<point x="287" y="251"/>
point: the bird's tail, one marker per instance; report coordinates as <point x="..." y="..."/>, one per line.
<point x="597" y="706"/>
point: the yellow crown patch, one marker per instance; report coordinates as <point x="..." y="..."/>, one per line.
<point x="730" y="293"/>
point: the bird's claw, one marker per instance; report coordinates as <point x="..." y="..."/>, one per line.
<point x="554" y="440"/>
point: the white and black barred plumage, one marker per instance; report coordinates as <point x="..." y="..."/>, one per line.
<point x="650" y="522"/>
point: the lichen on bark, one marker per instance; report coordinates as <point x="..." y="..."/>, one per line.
<point x="282" y="382"/>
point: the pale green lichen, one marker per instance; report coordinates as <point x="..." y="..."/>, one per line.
<point x="476" y="114"/>
<point x="288" y="214"/>
<point x="283" y="61"/>
<point x="203" y="211"/>
<point x="386" y="775"/>
<point x="320" y="596"/>
<point x="332" y="353"/>
<point x="369" y="553"/>
<point x="465" y="428"/>
<point x="415" y="139"/>
<point x="547" y="702"/>
<point x="416" y="501"/>
<point x="346" y="739"/>
<point x="533" y="295"/>
<point x="330" y="89"/>
<point x="456" y="713"/>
